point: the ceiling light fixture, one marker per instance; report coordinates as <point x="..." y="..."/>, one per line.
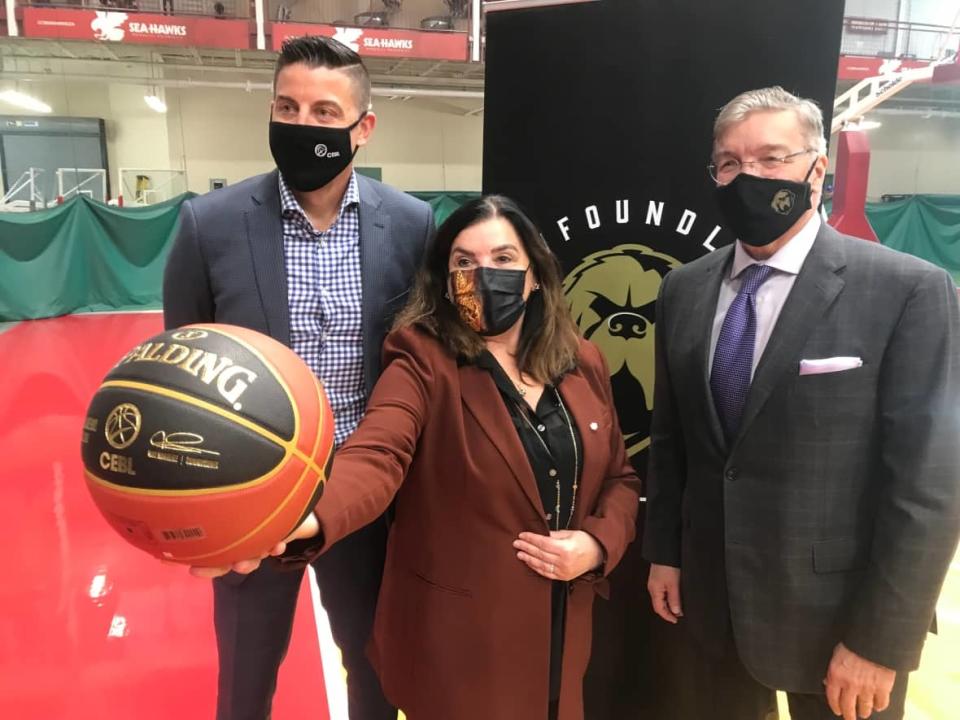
<point x="24" y="101"/>
<point x="155" y="102"/>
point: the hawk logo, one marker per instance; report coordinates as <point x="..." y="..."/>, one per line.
<point x="783" y="201"/>
<point x="106" y="26"/>
<point x="612" y="295"/>
<point x="349" y="37"/>
<point x="889" y="67"/>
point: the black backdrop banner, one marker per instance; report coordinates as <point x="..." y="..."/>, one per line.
<point x="598" y="119"/>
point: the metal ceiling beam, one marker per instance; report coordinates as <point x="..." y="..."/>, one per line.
<point x="236" y="85"/>
<point x="65" y="51"/>
<point x="144" y="63"/>
<point x="393" y="68"/>
<point x="427" y="81"/>
<point x="494" y="5"/>
<point x="922" y="112"/>
<point x="248" y="58"/>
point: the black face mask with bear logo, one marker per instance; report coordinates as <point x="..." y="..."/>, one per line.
<point x="759" y="210"/>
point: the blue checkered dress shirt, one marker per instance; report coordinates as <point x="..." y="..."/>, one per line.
<point x="324" y="294"/>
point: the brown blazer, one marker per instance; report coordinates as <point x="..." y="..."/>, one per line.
<point x="462" y="630"/>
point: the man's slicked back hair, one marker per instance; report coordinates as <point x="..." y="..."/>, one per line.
<point x="316" y="51"/>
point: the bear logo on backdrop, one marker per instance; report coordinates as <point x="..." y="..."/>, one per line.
<point x="612" y="295"/>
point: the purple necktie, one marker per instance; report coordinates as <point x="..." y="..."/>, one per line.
<point x="733" y="358"/>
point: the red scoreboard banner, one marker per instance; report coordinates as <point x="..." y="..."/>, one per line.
<point x="133" y="27"/>
<point x="429" y="45"/>
<point x="857" y="67"/>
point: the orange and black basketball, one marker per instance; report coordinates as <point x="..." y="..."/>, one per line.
<point x="207" y="444"/>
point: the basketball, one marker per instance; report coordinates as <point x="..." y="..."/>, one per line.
<point x="207" y="444"/>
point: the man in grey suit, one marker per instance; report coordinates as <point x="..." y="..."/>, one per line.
<point x="803" y="495"/>
<point x="319" y="258"/>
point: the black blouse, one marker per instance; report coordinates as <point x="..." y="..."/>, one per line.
<point x="552" y="442"/>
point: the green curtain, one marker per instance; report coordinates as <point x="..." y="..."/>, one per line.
<point x="927" y="226"/>
<point x="444" y="203"/>
<point x="83" y="256"/>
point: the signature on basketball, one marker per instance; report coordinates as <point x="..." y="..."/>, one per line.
<point x="182" y="442"/>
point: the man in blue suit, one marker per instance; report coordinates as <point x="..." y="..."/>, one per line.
<point x="320" y="259"/>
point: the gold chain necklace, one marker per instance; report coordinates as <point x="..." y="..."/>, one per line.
<point x="519" y="385"/>
<point x="576" y="459"/>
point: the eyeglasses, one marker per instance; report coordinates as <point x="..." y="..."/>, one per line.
<point x="728" y="168"/>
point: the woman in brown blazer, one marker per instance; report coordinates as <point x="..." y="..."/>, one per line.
<point x="494" y="431"/>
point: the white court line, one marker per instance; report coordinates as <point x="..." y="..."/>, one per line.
<point x="129" y="311"/>
<point x="334" y="676"/>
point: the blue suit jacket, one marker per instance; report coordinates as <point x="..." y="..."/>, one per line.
<point x="227" y="263"/>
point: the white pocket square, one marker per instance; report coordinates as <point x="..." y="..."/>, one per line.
<point x="829" y="365"/>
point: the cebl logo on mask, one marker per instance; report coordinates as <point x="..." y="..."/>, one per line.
<point x="321" y="151"/>
<point x="783" y="202"/>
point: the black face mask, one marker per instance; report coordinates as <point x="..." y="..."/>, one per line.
<point x="489" y="300"/>
<point x="310" y="156"/>
<point x="759" y="210"/>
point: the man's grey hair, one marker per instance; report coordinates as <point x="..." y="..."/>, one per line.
<point x="774" y="99"/>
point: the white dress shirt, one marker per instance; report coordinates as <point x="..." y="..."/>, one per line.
<point x="773" y="293"/>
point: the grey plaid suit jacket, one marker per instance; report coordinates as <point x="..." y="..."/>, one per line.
<point x="834" y="514"/>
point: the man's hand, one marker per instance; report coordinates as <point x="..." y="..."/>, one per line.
<point x="664" y="588"/>
<point x="855" y="686"/>
<point x="308" y="529"/>
<point x="563" y="555"/>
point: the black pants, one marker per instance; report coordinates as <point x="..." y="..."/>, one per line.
<point x="253" y="616"/>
